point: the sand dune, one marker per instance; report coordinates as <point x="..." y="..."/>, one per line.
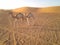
<point x="51" y="10"/>
<point x="40" y="10"/>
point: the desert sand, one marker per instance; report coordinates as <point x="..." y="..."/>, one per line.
<point x="41" y="28"/>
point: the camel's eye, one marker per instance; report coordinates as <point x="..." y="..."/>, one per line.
<point x="20" y="15"/>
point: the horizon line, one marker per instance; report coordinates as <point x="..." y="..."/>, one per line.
<point x="28" y="6"/>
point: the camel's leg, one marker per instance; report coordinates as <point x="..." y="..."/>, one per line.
<point x="21" y="21"/>
<point x="13" y="32"/>
<point x="28" y="21"/>
<point x="12" y="26"/>
<point x="14" y="40"/>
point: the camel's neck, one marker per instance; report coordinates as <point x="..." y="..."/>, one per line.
<point x="13" y="16"/>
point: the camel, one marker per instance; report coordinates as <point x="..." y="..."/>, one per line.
<point x="15" y="19"/>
